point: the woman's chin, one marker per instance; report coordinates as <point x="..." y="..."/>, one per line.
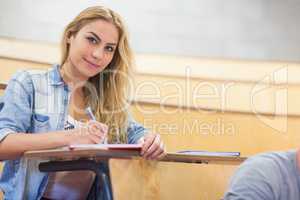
<point x="87" y="72"/>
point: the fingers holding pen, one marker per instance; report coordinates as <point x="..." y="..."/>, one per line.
<point x="98" y="129"/>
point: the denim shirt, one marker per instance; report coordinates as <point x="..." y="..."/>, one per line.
<point x="36" y="101"/>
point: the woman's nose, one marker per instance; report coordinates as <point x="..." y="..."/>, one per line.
<point x="98" y="53"/>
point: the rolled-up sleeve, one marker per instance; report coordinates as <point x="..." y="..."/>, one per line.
<point x="135" y="131"/>
<point x="16" y="105"/>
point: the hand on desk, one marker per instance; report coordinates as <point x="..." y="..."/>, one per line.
<point x="152" y="147"/>
<point x="93" y="133"/>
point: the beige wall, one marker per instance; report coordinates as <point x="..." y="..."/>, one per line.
<point x="186" y="122"/>
<point x="173" y="104"/>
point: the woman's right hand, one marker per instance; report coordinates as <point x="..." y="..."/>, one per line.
<point x="92" y="132"/>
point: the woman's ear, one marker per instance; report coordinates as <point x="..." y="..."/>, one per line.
<point x="69" y="37"/>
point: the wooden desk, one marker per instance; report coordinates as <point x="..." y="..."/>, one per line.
<point x="66" y="154"/>
<point x="144" y="180"/>
<point x="2" y="86"/>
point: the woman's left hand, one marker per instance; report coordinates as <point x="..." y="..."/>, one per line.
<point x="152" y="147"/>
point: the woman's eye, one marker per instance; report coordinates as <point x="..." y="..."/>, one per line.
<point x="92" y="40"/>
<point x="110" y="49"/>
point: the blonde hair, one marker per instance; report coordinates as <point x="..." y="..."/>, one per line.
<point x="107" y="96"/>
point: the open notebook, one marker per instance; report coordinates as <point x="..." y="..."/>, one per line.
<point x="209" y="153"/>
<point x="135" y="147"/>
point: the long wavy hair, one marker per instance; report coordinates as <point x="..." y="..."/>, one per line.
<point x="106" y="92"/>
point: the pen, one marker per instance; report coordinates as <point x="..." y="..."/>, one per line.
<point x="91" y="115"/>
<point x="89" y="112"/>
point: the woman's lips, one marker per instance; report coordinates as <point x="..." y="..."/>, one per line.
<point x="92" y="64"/>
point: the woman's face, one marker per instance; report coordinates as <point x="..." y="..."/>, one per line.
<point x="92" y="49"/>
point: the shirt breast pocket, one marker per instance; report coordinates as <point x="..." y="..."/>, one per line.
<point x="41" y="122"/>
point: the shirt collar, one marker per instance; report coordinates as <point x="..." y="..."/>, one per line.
<point x="55" y="77"/>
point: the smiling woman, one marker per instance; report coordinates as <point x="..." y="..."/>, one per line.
<point x="94" y="72"/>
<point x="91" y="51"/>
